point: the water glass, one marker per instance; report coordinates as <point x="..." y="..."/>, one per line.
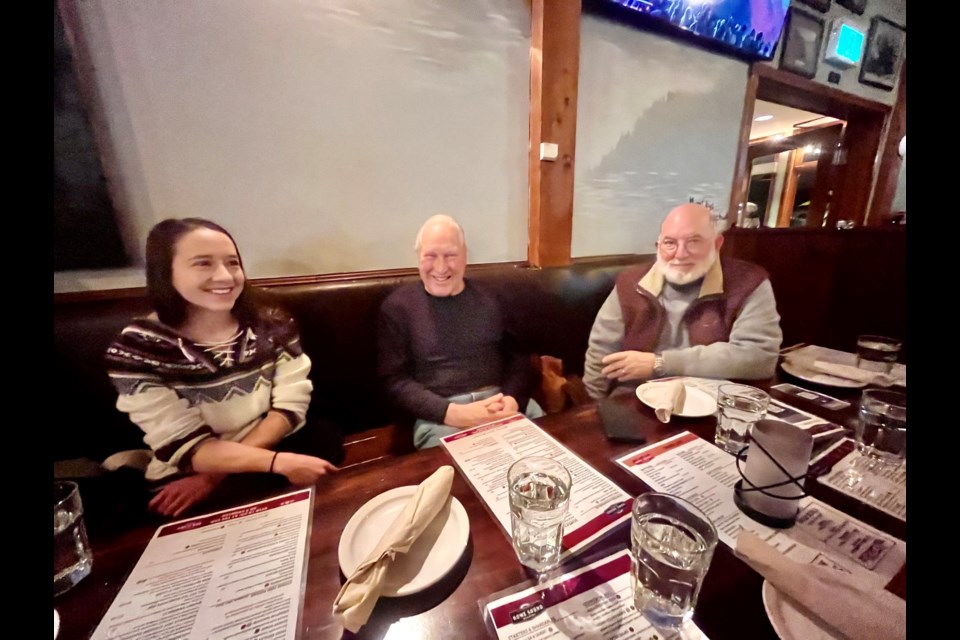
<point x="539" y="496"/>
<point x="877" y="353"/>
<point x="72" y="558"/>
<point x="880" y="433"/>
<point x="739" y="407"/>
<point x="671" y="544"/>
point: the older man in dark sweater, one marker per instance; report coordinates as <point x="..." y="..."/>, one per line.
<point x="446" y="354"/>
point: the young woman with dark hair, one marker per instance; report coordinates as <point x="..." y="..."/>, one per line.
<point x="215" y="377"/>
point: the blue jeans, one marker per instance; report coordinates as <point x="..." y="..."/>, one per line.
<point x="427" y="434"/>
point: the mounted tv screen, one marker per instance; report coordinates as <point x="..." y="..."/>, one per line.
<point x="748" y="27"/>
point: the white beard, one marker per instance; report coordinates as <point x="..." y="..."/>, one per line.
<point x="676" y="276"/>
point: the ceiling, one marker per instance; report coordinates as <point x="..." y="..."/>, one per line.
<point x="784" y="119"/>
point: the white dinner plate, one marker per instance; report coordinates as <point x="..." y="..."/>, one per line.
<point x="820" y="378"/>
<point x="791" y="621"/>
<point x="430" y="558"/>
<point x="698" y="403"/>
<point x="56" y="624"/>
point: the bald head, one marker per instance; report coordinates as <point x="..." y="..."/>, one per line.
<point x="436" y="224"/>
<point x="688" y="217"/>
<point x="688" y="243"/>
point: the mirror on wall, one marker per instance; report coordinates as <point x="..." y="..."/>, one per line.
<point x="791" y="157"/>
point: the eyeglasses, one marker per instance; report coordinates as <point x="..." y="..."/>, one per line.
<point x="696" y="244"/>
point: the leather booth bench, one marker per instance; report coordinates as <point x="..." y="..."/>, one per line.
<point x="553" y="309"/>
<point x="830" y="285"/>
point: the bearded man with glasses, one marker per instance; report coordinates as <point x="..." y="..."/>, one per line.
<point x="688" y="313"/>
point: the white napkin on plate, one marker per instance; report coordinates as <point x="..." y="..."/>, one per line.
<point x="667" y="398"/>
<point x="359" y="594"/>
<point x="844" y="371"/>
<point x="838" y="599"/>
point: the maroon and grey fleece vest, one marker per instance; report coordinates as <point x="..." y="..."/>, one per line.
<point x="709" y="318"/>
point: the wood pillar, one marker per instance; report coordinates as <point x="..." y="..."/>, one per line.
<point x="890" y="162"/>
<point x="554" y="69"/>
<point x="741" y="171"/>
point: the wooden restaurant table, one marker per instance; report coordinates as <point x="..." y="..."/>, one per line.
<point x="730" y="604"/>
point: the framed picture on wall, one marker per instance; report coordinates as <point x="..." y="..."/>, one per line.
<point x="857" y="6"/>
<point x="801" y="45"/>
<point x="881" y="59"/>
<point x="820" y="5"/>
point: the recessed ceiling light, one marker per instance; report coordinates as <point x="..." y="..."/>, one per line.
<point x="762" y="118"/>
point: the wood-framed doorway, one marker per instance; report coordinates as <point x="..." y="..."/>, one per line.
<point x="855" y="175"/>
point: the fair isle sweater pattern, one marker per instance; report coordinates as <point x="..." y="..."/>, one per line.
<point x="180" y="392"/>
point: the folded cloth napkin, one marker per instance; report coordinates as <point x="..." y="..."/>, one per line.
<point x="666" y="397"/>
<point x="360" y="592"/>
<point x="844" y="371"/>
<point x="838" y="599"/>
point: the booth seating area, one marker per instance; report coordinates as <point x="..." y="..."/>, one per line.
<point x="827" y="283"/>
<point x="553" y="310"/>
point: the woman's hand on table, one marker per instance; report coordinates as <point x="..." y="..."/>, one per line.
<point x="179" y="495"/>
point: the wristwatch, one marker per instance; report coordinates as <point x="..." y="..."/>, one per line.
<point x="658" y="365"/>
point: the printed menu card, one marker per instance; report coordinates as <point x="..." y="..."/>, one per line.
<point x="593" y="601"/>
<point x="691" y="468"/>
<point x="483" y="454"/>
<point x="230" y="574"/>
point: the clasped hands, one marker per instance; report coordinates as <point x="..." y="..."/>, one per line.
<point x="481" y="411"/>
<point x="628" y="365"/>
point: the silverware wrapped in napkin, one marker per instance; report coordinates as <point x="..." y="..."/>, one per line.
<point x="359" y="594"/>
<point x="838" y="599"/>
<point x="844" y="371"/>
<point x="667" y="398"/>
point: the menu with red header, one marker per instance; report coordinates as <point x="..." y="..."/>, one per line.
<point x="237" y="573"/>
<point x="485" y="453"/>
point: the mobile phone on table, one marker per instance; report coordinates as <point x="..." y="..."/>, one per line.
<point x="621" y="422"/>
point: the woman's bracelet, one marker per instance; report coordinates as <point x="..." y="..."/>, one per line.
<point x="274" y="459"/>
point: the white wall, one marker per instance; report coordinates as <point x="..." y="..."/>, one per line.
<point x="321" y="133"/>
<point x="657" y="122"/>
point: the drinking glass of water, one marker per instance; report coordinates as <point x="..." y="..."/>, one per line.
<point x="880" y="433"/>
<point x="72" y="558"/>
<point x="539" y="496"/>
<point x="672" y="544"/>
<point x="877" y="353"/>
<point x="739" y="407"/>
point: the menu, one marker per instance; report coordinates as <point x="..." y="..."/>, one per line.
<point x="484" y="454"/>
<point x="593" y="601"/>
<point x="886" y="490"/>
<point x="693" y="469"/>
<point x="235" y="573"/>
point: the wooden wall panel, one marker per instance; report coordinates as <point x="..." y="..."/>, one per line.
<point x="554" y="71"/>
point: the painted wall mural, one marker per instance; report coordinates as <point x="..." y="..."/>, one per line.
<point x="657" y="124"/>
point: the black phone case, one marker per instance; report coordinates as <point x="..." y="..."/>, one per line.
<point x="620" y="422"/>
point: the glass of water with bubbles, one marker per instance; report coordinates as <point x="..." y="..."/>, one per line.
<point x="539" y="491"/>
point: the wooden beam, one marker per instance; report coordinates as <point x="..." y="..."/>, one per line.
<point x="885" y="186"/>
<point x="554" y="70"/>
<point x="798" y="92"/>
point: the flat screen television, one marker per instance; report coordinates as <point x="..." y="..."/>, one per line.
<point x="750" y="28"/>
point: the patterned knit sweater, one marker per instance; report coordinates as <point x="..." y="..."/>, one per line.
<point x="180" y="392"/>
